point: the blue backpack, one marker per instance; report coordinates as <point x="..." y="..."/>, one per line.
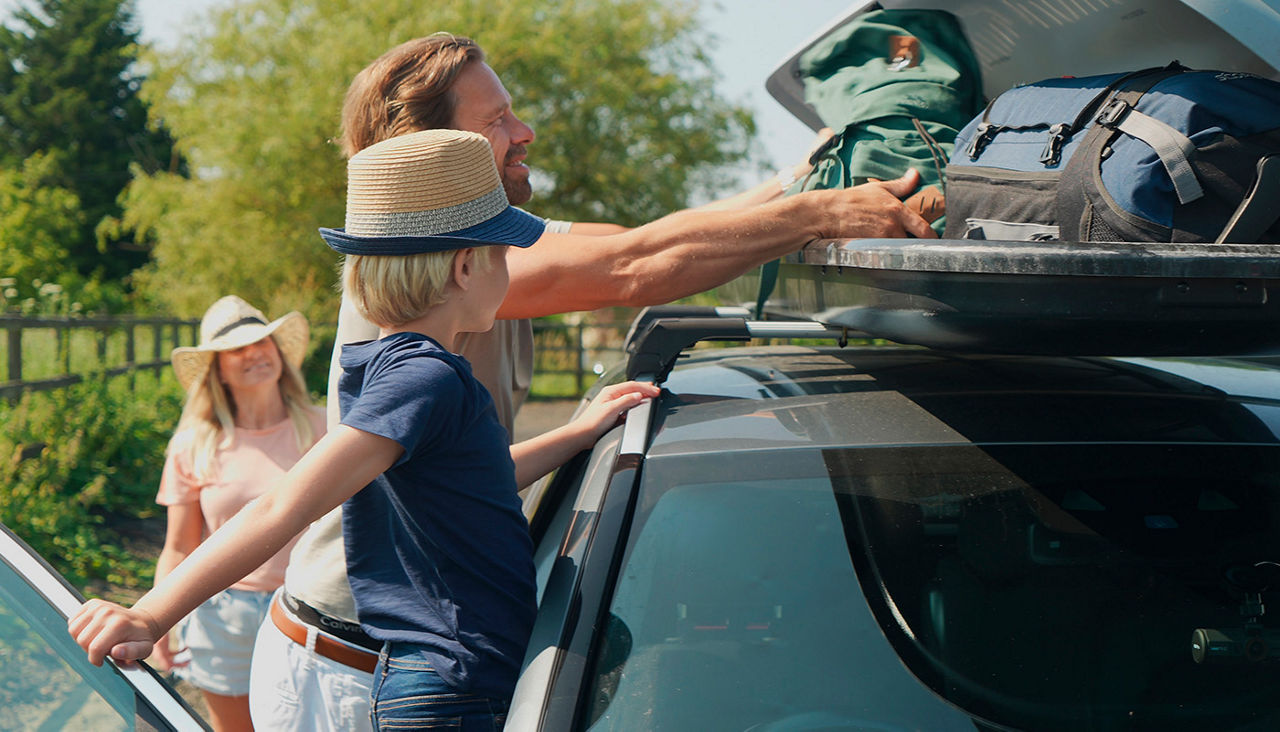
<point x="1165" y="154"/>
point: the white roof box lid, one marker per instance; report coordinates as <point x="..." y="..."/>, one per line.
<point x="1021" y="41"/>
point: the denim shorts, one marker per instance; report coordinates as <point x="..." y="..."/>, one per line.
<point x="220" y="634"/>
<point x="409" y="694"/>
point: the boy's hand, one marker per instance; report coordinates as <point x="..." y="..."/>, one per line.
<point x="106" y="629"/>
<point x="610" y="405"/>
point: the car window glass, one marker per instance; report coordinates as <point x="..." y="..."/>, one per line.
<point x="46" y="682"/>
<point x="1062" y="587"/>
<point x="737" y="605"/>
<point x="1043" y="587"/>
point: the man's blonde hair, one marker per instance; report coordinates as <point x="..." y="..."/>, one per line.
<point x="392" y="290"/>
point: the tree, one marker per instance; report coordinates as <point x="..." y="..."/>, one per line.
<point x="36" y="219"/>
<point x="69" y="92"/>
<point x="619" y="91"/>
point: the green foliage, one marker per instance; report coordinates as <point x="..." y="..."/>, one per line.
<point x="69" y="94"/>
<point x="79" y="463"/>
<point x="620" y="92"/>
<point x="36" y="219"/>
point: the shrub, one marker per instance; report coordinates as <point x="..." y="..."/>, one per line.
<point x="81" y="466"/>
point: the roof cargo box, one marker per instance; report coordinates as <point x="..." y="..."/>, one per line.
<point x="1063" y="297"/>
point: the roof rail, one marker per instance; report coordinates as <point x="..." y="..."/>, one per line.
<point x="659" y="334"/>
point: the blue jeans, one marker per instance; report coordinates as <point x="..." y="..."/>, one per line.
<point x="409" y="694"/>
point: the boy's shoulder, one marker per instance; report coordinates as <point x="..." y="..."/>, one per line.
<point x="412" y="354"/>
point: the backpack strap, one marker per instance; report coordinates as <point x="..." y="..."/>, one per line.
<point x="1128" y="89"/>
<point x="1258" y="211"/>
<point x="1172" y="147"/>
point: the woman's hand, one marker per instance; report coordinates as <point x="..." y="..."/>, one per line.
<point x="163" y="657"/>
<point x="106" y="629"/>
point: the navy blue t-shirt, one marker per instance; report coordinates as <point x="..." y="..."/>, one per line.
<point x="438" y="550"/>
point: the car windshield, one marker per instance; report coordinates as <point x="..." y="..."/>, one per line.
<point x="1034" y="586"/>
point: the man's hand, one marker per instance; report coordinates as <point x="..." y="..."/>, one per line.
<point x="106" y="629"/>
<point x="871" y="210"/>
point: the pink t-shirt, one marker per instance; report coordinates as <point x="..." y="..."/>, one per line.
<point x="253" y="464"/>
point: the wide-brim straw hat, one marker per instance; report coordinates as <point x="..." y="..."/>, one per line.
<point x="428" y="191"/>
<point x="232" y="323"/>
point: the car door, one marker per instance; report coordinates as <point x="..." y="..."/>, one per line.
<point x="46" y="681"/>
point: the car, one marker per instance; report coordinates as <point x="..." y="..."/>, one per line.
<point x="977" y="485"/>
<point x="806" y="537"/>
<point x="46" y="681"/>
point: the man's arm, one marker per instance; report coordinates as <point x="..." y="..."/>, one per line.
<point x="695" y="250"/>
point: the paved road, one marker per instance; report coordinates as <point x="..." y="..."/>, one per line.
<point x="540" y="415"/>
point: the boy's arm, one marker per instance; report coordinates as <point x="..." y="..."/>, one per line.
<point x="342" y="463"/>
<point x="540" y="455"/>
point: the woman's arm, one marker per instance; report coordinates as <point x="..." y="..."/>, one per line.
<point x="342" y="463"/>
<point x="183" y="533"/>
<point x="540" y="455"/>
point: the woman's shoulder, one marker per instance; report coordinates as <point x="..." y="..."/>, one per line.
<point x="318" y="417"/>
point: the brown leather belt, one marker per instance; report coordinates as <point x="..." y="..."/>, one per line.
<point x="325" y="646"/>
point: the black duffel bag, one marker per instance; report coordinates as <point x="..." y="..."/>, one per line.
<point x="1164" y="154"/>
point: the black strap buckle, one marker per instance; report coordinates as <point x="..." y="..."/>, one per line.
<point x="1112" y="112"/>
<point x="1052" y="153"/>
<point x="985" y="133"/>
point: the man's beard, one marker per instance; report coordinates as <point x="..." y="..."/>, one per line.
<point x="518" y="191"/>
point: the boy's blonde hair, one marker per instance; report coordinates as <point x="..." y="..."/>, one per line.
<point x="392" y="290"/>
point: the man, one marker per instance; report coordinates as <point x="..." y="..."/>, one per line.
<point x="310" y="669"/>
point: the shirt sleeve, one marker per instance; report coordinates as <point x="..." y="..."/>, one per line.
<point x="413" y="401"/>
<point x="177" y="484"/>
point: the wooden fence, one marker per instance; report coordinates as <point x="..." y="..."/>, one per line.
<point x="50" y="352"/>
<point x="42" y="353"/>
<point x="569" y="356"/>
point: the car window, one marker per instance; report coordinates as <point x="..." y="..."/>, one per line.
<point x="46" y="681"/>
<point x="738" y="605"/>
<point x="1035" y="586"/>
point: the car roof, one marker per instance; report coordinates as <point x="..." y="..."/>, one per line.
<point x="785" y="397"/>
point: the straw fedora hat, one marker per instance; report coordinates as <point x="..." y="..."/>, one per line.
<point x="232" y="323"/>
<point x="428" y="191"/>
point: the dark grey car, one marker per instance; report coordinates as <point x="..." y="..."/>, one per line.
<point x="813" y="538"/>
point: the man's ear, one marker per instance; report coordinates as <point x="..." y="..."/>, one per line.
<point x="464" y="266"/>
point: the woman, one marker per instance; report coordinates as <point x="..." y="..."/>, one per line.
<point x="246" y="421"/>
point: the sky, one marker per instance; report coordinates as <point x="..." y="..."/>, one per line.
<point x="754" y="37"/>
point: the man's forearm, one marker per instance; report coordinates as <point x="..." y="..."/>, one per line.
<point x="693" y="251"/>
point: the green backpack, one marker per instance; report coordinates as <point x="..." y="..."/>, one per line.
<point x="896" y="86"/>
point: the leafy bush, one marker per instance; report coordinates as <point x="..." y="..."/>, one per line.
<point x="80" y="468"/>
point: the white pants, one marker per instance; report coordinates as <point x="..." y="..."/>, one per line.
<point x="293" y="689"/>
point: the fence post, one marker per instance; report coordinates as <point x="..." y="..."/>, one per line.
<point x="156" y="328"/>
<point x="15" y="352"/>
<point x="130" y="355"/>
<point x="63" y="333"/>
<point x="577" y="366"/>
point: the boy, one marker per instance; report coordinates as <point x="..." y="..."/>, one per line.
<point x="438" y="552"/>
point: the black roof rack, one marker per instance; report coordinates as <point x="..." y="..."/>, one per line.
<point x="659" y="334"/>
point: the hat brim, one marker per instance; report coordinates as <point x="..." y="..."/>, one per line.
<point x="512" y="227"/>
<point x="291" y="332"/>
